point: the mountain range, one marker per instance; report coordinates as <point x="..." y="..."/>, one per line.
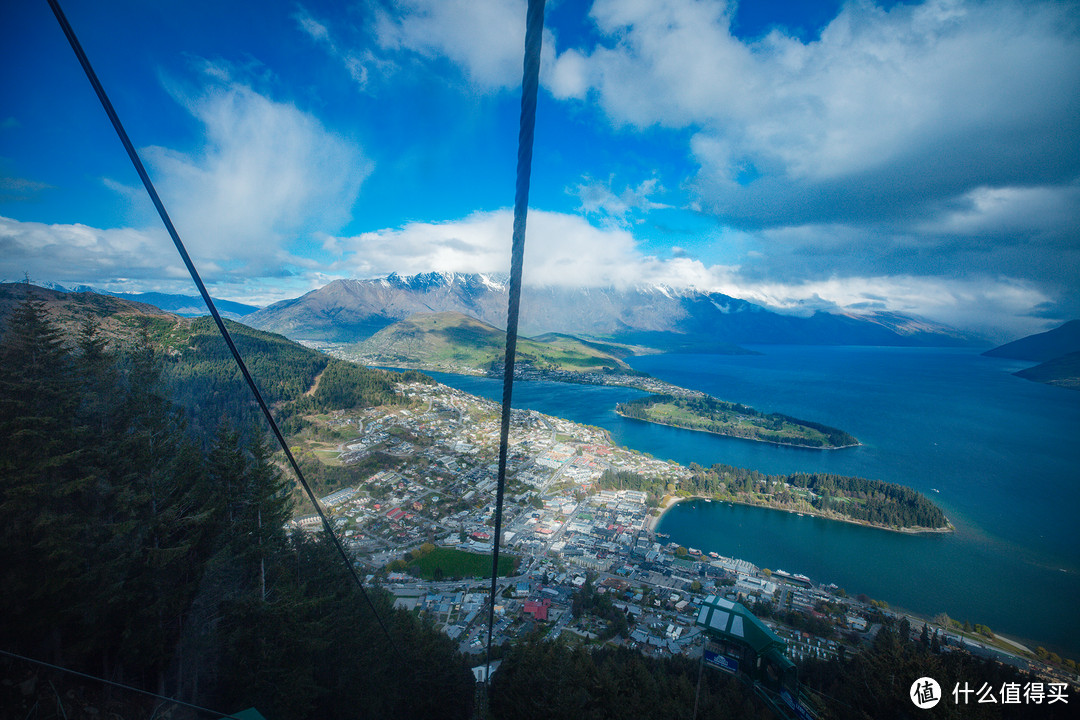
<point x="656" y="316"/>
<point x="1057" y="351"/>
<point x="185" y="305"/>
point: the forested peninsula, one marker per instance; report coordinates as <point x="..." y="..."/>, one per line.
<point x="709" y="414"/>
<point x="835" y="497"/>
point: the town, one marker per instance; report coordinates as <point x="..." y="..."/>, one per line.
<point x="583" y="561"/>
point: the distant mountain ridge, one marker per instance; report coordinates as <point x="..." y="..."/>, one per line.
<point x="657" y="316"/>
<point x="1061" y="371"/>
<point x="186" y="305"/>
<point x="1042" y="346"/>
<point x="1057" y="351"/>
<point x="117" y="318"/>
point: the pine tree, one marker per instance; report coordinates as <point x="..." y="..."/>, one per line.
<point x="162" y="529"/>
<point x="37" y="451"/>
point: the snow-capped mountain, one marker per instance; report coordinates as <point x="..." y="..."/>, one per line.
<point x="660" y="316"/>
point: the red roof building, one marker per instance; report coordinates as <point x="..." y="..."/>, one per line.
<point x="537" y="608"/>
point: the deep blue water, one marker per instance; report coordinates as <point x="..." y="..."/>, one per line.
<point x="1002" y="452"/>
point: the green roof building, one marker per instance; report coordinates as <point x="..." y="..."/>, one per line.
<point x="738" y="643"/>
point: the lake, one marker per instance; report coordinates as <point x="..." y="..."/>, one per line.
<point x="999" y="454"/>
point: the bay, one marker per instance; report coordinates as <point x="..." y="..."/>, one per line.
<point x="998" y="453"/>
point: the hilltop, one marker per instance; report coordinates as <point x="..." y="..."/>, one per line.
<point x="1042" y="346"/>
<point x="454" y="342"/>
<point x="1062" y="371"/>
<point x="198" y="369"/>
<point x="118" y="318"/>
<point x="185" y="305"/>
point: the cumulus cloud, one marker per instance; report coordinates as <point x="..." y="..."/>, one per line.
<point x="79" y="254"/>
<point x="886" y="113"/>
<point x="265" y="177"/>
<point x="131" y="260"/>
<point x="267" y="173"/>
<point x="566" y="75"/>
<point x="560" y="249"/>
<point x="484" y="37"/>
<point x="919" y="138"/>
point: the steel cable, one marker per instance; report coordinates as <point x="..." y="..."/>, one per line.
<point x="534" y="31"/>
<point x="152" y="191"/>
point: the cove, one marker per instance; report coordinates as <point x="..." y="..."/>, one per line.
<point x="997" y="452"/>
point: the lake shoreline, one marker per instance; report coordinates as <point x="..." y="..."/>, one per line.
<point x="671" y="501"/>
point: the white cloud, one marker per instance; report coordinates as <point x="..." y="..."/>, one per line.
<point x="932" y="140"/>
<point x="566" y="250"/>
<point x="987" y="210"/>
<point x="599" y="200"/>
<point x="485" y="37"/>
<point x="267" y="174"/>
<point x="942" y="97"/>
<point x="357" y="63"/>
<point x="566" y="75"/>
<point x="130" y="260"/>
<point x="560" y="249"/>
<point x="996" y="307"/>
<point x="80" y="254"/>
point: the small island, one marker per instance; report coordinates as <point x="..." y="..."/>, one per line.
<point x="708" y="414"/>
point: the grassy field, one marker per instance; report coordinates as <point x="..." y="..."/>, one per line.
<point x="447" y="563"/>
<point x="329" y="457"/>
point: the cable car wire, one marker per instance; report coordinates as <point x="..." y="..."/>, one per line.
<point x="534" y="30"/>
<point x="76" y="46"/>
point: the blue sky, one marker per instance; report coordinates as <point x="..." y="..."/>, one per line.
<point x="917" y="157"/>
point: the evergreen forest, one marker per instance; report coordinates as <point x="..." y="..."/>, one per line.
<point x="872" y="501"/>
<point x="733" y="419"/>
<point x="142" y="550"/>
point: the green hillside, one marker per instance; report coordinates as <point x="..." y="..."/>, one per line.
<point x="1062" y="371"/>
<point x="453" y="342"/>
<point x="117" y="319"/>
<point x="198" y="370"/>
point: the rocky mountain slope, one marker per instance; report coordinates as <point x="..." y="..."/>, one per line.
<point x="657" y="316"/>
